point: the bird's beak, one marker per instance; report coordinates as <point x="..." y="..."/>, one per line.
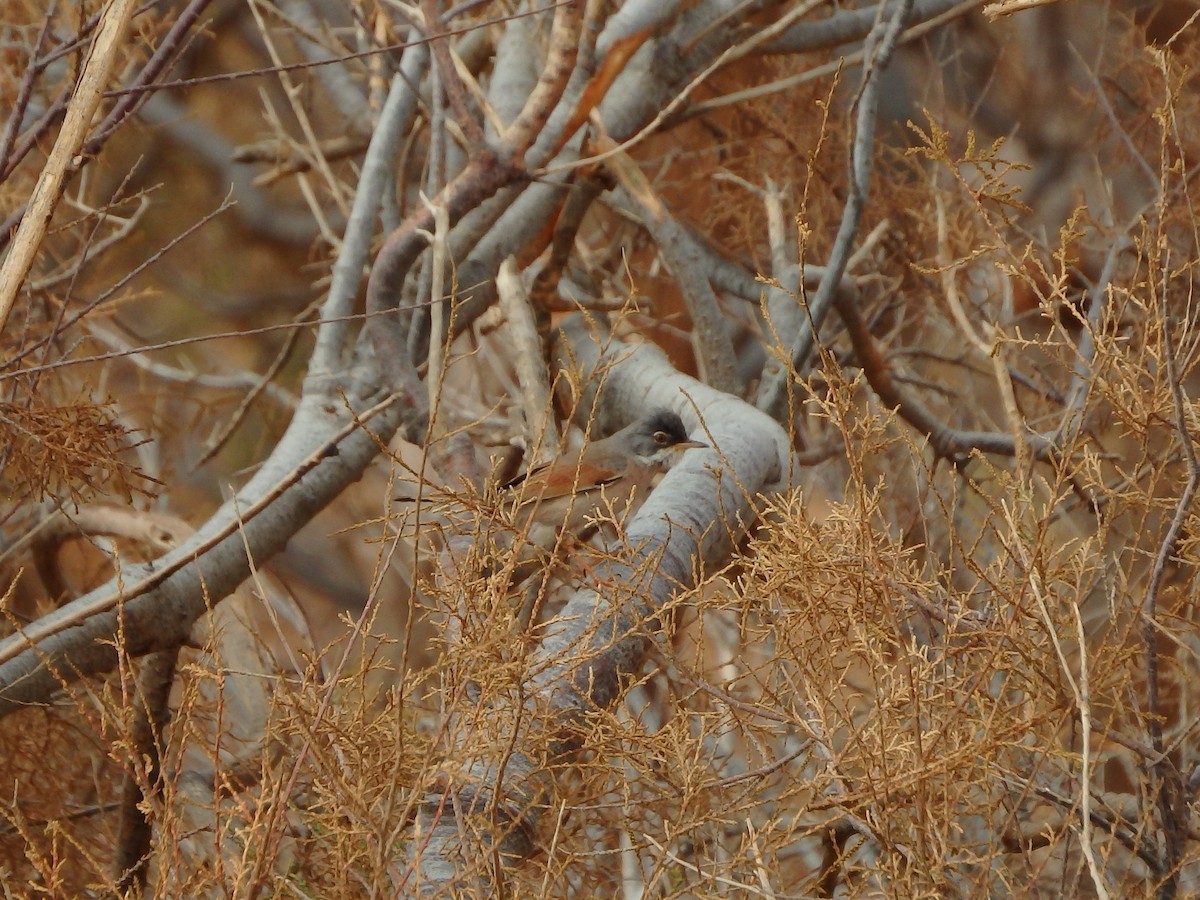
<point x="691" y="445"/>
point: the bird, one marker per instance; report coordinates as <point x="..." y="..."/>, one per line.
<point x="560" y="504"/>
<point x="556" y="506"/>
<point x="565" y="492"/>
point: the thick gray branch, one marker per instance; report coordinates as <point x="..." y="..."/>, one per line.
<point x="850" y="25"/>
<point x="307" y="471"/>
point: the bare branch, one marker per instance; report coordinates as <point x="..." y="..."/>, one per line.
<point x="881" y="44"/>
<point x="529" y="356"/>
<point x="947" y="442"/>
<point x="713" y="346"/>
<point x="84" y="103"/>
<point x="487" y="172"/>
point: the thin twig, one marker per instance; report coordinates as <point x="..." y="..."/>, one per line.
<point x="1083" y="700"/>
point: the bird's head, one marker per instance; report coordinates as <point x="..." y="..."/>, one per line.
<point x="657" y="438"/>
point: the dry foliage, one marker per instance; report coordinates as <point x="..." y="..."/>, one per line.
<point x="934" y="637"/>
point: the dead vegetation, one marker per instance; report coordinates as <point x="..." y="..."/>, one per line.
<point x="921" y="620"/>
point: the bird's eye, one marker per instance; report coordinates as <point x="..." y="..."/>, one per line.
<point x="661" y="437"/>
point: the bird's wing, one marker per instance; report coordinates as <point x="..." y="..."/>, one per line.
<point x="560" y="478"/>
